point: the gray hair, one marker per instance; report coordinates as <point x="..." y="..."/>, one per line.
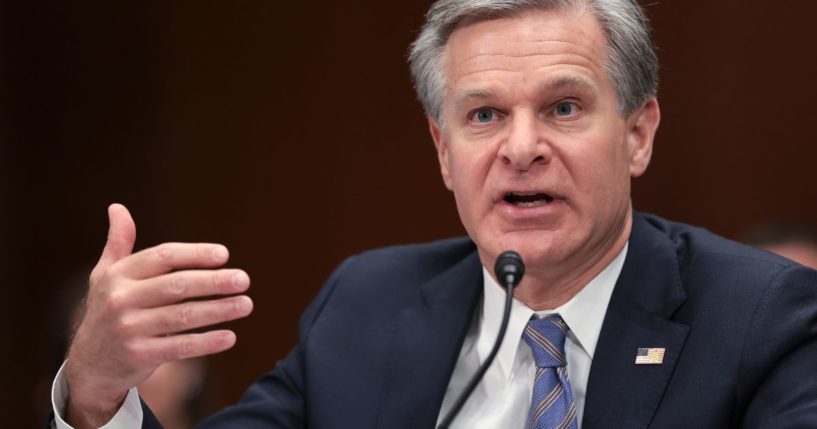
<point x="631" y="65"/>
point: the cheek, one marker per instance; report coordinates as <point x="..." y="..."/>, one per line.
<point x="470" y="172"/>
<point x="469" y="167"/>
<point x="600" y="172"/>
<point x="612" y="181"/>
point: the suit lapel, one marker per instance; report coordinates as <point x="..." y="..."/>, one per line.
<point x="621" y="394"/>
<point x="426" y="340"/>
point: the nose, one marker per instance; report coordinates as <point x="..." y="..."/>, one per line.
<point x="524" y="146"/>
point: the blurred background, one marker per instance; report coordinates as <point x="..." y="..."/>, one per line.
<point x="289" y="132"/>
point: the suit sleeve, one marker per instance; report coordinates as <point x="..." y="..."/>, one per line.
<point x="780" y="355"/>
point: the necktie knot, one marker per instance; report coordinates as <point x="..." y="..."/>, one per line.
<point x="546" y="338"/>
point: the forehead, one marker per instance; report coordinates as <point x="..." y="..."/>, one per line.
<point x="534" y="44"/>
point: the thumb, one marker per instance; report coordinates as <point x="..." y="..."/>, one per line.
<point x="121" y="235"/>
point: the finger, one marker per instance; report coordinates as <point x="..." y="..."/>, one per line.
<point x="191" y="315"/>
<point x="176" y="347"/>
<point x="121" y="235"/>
<point x="168" y="257"/>
<point x="181" y="285"/>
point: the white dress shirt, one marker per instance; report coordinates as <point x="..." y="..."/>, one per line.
<point x="502" y="398"/>
<point x="128" y="416"/>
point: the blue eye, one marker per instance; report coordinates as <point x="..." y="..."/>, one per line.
<point x="484" y="115"/>
<point x="564" y="109"/>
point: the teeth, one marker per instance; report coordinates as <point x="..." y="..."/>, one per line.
<point x="531" y="203"/>
<point x="528" y="199"/>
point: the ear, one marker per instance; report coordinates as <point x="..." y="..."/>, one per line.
<point x="441" y="144"/>
<point x="642" y="124"/>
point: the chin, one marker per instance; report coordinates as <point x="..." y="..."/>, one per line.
<point x="537" y="248"/>
<point x="541" y="256"/>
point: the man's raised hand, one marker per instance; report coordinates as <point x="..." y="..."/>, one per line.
<point x="137" y="311"/>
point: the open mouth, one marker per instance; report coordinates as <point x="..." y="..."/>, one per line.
<point x="527" y="199"/>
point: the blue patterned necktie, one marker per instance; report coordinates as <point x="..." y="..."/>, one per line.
<point x="552" y="404"/>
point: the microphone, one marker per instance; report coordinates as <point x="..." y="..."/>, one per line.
<point x="509" y="270"/>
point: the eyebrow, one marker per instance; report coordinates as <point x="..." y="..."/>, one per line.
<point x="473" y="94"/>
<point x="549" y="85"/>
<point x="561" y="82"/>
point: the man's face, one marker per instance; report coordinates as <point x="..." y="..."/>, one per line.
<point x="533" y="146"/>
<point x="801" y="252"/>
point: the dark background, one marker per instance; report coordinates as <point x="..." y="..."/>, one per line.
<point x="289" y="132"/>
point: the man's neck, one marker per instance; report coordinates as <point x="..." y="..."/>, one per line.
<point x="546" y="290"/>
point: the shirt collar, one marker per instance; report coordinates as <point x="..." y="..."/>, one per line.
<point x="584" y="314"/>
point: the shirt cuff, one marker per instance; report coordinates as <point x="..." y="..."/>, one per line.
<point x="129" y="415"/>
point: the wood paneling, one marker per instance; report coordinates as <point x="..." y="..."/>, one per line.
<point x="289" y="132"/>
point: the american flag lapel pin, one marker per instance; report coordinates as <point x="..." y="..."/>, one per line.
<point x="650" y="356"/>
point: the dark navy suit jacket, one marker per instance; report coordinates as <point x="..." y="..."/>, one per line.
<point x="378" y="345"/>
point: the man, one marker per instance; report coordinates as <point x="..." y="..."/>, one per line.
<point x="797" y="242"/>
<point x="541" y="112"/>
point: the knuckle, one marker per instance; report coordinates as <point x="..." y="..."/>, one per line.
<point x="165" y="325"/>
<point x="135" y="353"/>
<point x="117" y="300"/>
<point x="185" y="314"/>
<point x="114" y="269"/>
<point x="185" y="347"/>
<point x="177" y="285"/>
<point x="127" y="327"/>
<point x="200" y="250"/>
<point x="102" y="275"/>
<point x="229" y="309"/>
<point x="164" y="251"/>
<point x="219" y="281"/>
<point x="224" y="282"/>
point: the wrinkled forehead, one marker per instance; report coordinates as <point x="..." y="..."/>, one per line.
<point x="532" y="40"/>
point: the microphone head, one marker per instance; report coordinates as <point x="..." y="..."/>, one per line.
<point x="509" y="268"/>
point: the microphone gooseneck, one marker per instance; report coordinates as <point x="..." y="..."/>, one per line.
<point x="509" y="270"/>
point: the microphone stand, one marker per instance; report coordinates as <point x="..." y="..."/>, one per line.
<point x="472" y="384"/>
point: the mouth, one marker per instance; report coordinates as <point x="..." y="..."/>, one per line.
<point x="528" y="199"/>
